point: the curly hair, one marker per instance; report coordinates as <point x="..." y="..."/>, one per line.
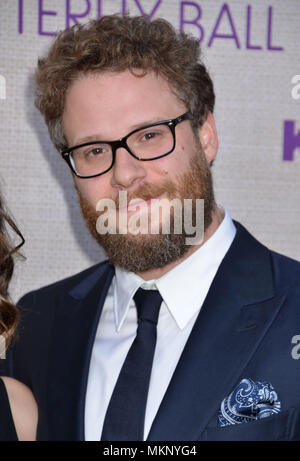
<point x="8" y="311"/>
<point x="115" y="43"/>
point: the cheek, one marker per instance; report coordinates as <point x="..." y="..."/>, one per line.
<point x="176" y="162"/>
<point x="92" y="190"/>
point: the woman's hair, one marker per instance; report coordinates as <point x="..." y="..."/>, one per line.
<point x="115" y="44"/>
<point x="8" y="311"/>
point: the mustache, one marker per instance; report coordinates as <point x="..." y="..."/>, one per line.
<point x="149" y="191"/>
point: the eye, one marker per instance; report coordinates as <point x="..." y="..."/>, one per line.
<point x="150" y="135"/>
<point x="95" y="151"/>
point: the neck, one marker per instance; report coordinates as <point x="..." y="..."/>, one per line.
<point x="153" y="274"/>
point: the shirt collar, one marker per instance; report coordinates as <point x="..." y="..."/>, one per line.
<point x="184" y="287"/>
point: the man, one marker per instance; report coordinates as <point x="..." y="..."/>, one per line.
<point x="129" y="105"/>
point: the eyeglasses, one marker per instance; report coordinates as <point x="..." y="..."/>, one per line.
<point x="149" y="142"/>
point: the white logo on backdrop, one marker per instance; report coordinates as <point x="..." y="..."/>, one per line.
<point x="296" y="89"/>
<point x="2" y="87"/>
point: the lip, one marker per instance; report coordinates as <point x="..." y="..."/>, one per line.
<point x="135" y="203"/>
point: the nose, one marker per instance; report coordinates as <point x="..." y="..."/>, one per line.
<point x="127" y="170"/>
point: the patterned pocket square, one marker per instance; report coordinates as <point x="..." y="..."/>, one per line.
<point x="250" y="400"/>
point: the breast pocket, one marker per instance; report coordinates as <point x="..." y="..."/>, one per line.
<point x="284" y="426"/>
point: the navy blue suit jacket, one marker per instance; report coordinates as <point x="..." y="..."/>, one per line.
<point x="244" y="330"/>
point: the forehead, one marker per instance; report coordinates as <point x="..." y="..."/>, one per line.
<point x="107" y="83"/>
<point x="115" y="102"/>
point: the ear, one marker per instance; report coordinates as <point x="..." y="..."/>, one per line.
<point x="209" y="138"/>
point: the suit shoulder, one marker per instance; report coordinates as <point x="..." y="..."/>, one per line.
<point x="286" y="270"/>
<point x="65" y="284"/>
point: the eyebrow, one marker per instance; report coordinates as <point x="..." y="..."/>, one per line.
<point x="99" y="137"/>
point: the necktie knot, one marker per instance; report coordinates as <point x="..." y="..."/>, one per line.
<point x="148" y="304"/>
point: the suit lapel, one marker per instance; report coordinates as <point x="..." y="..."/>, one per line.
<point x="77" y="317"/>
<point x="238" y="310"/>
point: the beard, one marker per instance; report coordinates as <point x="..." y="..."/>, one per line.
<point x="143" y="252"/>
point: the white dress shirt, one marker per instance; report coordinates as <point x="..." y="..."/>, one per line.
<point x="183" y="290"/>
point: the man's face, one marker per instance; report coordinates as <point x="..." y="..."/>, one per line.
<point x="107" y="107"/>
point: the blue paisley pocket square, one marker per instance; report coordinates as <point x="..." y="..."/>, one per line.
<point x="250" y="401"/>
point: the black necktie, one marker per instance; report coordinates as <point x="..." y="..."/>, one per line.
<point x="125" y="416"/>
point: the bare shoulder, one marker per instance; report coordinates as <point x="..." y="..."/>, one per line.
<point x="23" y="408"/>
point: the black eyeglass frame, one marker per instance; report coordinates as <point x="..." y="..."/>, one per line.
<point x="122" y="143"/>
